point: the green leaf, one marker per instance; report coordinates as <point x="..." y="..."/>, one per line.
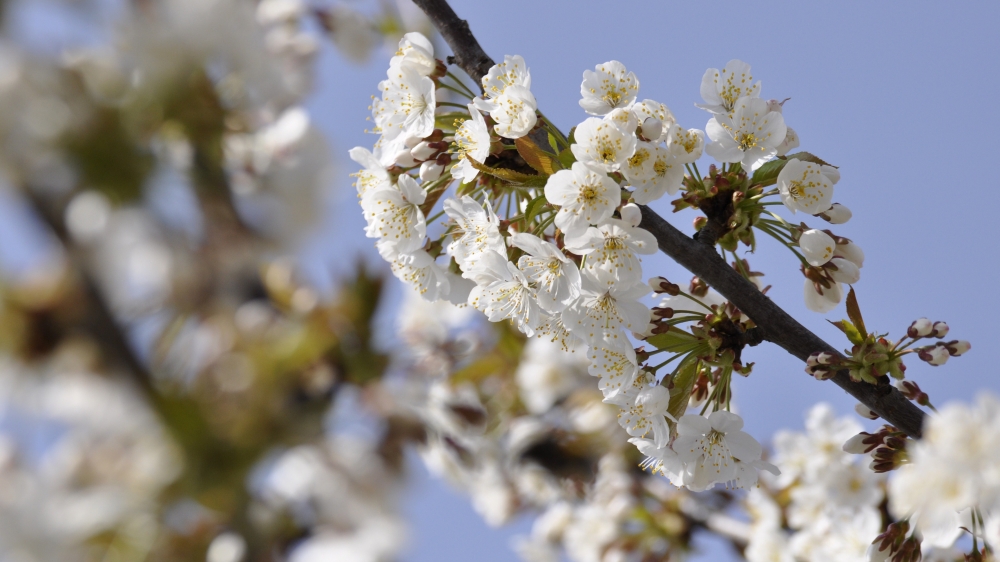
<point x="673" y="340"/>
<point x="809" y="157"/>
<point x="510" y="176"/>
<point x="534" y="206"/>
<point x="850" y="331"/>
<point x="687" y="374"/>
<point x="541" y="161"/>
<point x="566" y="158"/>
<point x="768" y="173"/>
<point x="854" y="312"/>
<point x="553" y="142"/>
<point x="572" y="136"/>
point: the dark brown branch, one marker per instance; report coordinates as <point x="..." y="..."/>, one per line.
<point x="468" y="55"/>
<point x="702" y="259"/>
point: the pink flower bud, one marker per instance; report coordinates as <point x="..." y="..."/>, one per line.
<point x="935" y="355"/>
<point x="940" y="329"/>
<point x="404" y="159"/>
<point x="921" y="328"/>
<point x="865" y="411"/>
<point x="652" y="128"/>
<point x="957" y="347"/>
<point x="631" y="214"/>
<point x="430" y="170"/>
<point x="423" y="151"/>
<point x="817" y="246"/>
<point x="836" y="214"/>
<point x="846" y="271"/>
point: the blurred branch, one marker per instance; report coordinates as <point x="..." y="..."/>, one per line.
<point x="702" y="259"/>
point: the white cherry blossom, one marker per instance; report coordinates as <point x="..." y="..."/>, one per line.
<point x="722" y="88"/>
<point x="710" y="448"/>
<point x="653" y="171"/>
<point x="394" y="216"/>
<point x="603" y="313"/>
<point x="502" y="292"/>
<point x="473" y="142"/>
<point x="416" y="52"/>
<point x="609" y="86"/>
<point x="615" y="364"/>
<point x="407" y="106"/>
<point x="749" y="135"/>
<point x="644" y="411"/>
<point x="600" y="143"/>
<point x="555" y="277"/>
<point x="477" y="230"/>
<point x="419" y="270"/>
<point x="805" y="187"/>
<point x="651" y="109"/>
<point x="791" y="141"/>
<point x="509" y="101"/>
<point x="585" y="197"/>
<point x="685" y="145"/>
<point x="373" y="176"/>
<point x="823" y="299"/>
<point x="612" y="249"/>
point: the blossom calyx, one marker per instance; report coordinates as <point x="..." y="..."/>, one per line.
<point x="660" y="285"/>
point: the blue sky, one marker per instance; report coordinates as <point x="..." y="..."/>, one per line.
<point x="903" y="100"/>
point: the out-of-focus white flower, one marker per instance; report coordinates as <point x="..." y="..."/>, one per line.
<point x="603" y="145"/>
<point x="477" y="230"/>
<point x="749" y="135"/>
<point x="722" y="88"/>
<point x="585" y="197"/>
<point x="556" y="277"/>
<point x="546" y="375"/>
<point x="473" y="141"/>
<point x="419" y="270"/>
<point x="804" y="187"/>
<point x="609" y="86"/>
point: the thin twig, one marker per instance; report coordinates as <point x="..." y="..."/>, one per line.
<point x="702" y="260"/>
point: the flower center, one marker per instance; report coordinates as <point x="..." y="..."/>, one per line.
<point x="637" y="159"/>
<point x="746" y="141"/>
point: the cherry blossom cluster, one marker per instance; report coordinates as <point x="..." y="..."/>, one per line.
<point x="564" y="262"/>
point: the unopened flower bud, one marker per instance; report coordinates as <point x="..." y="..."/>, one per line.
<point x="660" y="285"/>
<point x="846" y="272"/>
<point x="935" y="355"/>
<point x="430" y="170"/>
<point x="957" y="347"/>
<point x="775" y="105"/>
<point x="852" y="252"/>
<point x="817" y="246"/>
<point x="831" y="173"/>
<point x="921" y="328"/>
<point x="940" y="329"/>
<point x="876" y="553"/>
<point x="790" y="141"/>
<point x="836" y="214"/>
<point x="404" y="159"/>
<point x="859" y="444"/>
<point x="649" y="330"/>
<point x="699" y="222"/>
<point x="698" y="287"/>
<point x="631" y="214"/>
<point x="652" y="128"/>
<point x="423" y="151"/>
<point x="865" y="411"/>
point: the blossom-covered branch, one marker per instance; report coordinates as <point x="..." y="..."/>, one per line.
<point x="702" y="259"/>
